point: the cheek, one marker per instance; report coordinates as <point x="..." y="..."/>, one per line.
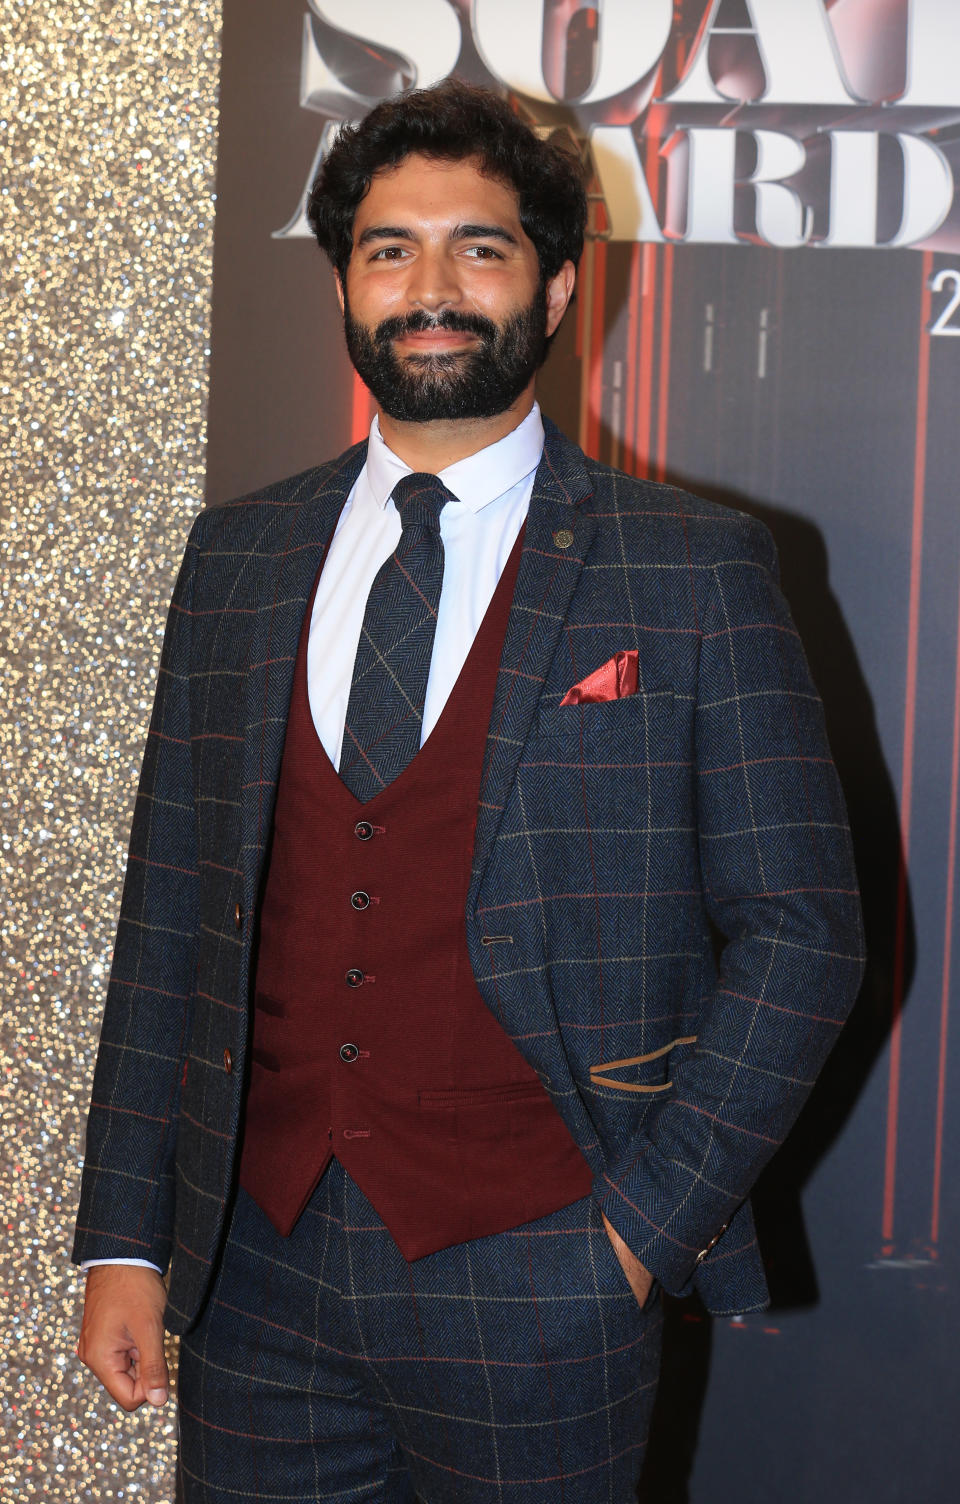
<point x="507" y="291"/>
<point x="369" y="293"/>
<point x="498" y="301"/>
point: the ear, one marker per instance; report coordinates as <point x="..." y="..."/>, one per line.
<point x="559" y="292"/>
<point x="339" y="286"/>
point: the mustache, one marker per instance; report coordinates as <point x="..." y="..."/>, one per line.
<point x="420" y="322"/>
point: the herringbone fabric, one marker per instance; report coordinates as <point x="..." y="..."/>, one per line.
<point x="513" y="1369"/>
<point x="389" y="686"/>
<point x="612" y="842"/>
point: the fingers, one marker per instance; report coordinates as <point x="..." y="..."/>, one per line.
<point x="153" y="1378"/>
<point x="639" y="1279"/>
<point x="130" y="1362"/>
<point x="121" y="1339"/>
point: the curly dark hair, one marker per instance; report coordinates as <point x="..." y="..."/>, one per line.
<point x="452" y="122"/>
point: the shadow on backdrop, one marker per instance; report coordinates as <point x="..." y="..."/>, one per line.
<point x="875" y="828"/>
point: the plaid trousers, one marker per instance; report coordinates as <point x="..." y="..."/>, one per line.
<point x="325" y="1367"/>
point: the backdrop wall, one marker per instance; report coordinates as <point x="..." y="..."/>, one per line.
<point x="768" y="315"/>
<point x="108" y="134"/>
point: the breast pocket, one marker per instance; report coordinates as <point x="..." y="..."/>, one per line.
<point x="622" y="755"/>
<point x="614" y="726"/>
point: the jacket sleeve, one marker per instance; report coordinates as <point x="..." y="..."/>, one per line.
<point x="126" y="1196"/>
<point x="779" y="885"/>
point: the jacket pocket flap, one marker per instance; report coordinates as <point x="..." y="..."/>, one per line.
<point x="642" y="1066"/>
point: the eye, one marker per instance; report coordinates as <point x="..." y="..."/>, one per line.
<point x="389" y="253"/>
<point x="483" y="253"/>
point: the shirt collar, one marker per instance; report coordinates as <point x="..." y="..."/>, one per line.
<point x="474" y="481"/>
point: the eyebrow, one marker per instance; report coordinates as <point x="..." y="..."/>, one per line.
<point x="459" y="232"/>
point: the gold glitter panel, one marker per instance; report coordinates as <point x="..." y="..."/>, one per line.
<point x="107" y="145"/>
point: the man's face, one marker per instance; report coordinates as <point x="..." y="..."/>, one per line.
<point x="445" y="312"/>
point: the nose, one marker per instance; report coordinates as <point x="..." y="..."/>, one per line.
<point x="433" y="283"/>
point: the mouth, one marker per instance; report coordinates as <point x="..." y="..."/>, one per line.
<point x="435" y="340"/>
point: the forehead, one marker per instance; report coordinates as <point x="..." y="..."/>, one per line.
<point x="422" y="192"/>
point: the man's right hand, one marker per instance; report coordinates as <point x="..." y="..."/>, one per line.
<point x="121" y="1339"/>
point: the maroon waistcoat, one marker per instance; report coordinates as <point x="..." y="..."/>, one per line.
<point x="371" y="1040"/>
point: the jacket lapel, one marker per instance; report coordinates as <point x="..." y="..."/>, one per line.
<point x="283" y="589"/>
<point x="548" y="575"/>
<point x="556" y="542"/>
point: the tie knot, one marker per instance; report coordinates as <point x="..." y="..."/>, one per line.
<point x="420" y="498"/>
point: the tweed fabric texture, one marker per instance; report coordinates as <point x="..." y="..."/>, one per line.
<point x="514" y="1367"/>
<point x="384" y="717"/>
<point x="611" y="840"/>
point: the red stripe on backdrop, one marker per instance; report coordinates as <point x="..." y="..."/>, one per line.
<point x="361" y="413"/>
<point x="630" y="392"/>
<point x="648" y="311"/>
<point x="648" y="315"/>
<point x="663" y="379"/>
<point x="906" y="776"/>
<point x="595" y="369"/>
<point x="947" y="959"/>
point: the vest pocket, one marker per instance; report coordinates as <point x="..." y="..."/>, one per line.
<point x="515" y="1111"/>
<point x="265" y="1060"/>
<point x="481" y="1096"/>
<point x="264" y="1003"/>
<point x="266" y="1009"/>
<point x="470" y="1115"/>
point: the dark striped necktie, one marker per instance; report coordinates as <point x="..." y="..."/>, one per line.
<point x="389" y="685"/>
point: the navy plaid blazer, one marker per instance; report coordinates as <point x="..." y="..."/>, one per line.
<point x="614" y="841"/>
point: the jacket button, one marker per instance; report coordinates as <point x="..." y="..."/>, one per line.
<point x="363" y="830"/>
<point x="349" y="1053"/>
<point x="710" y="1246"/>
<point x="228" y="1061"/>
<point x="238" y="916"/>
<point x="354" y="977"/>
<point x="360" y="900"/>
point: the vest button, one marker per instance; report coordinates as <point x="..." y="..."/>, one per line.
<point x="349" y="1053"/>
<point x="228" y="1061"/>
<point x="363" y="830"/>
<point x="360" y="900"/>
<point x="238" y="916"/>
<point x="354" y="978"/>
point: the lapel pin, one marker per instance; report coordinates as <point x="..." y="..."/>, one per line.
<point x="563" y="537"/>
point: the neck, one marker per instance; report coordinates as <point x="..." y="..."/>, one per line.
<point x="431" y="447"/>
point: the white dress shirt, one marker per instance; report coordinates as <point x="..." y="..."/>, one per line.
<point x="493" y="489"/>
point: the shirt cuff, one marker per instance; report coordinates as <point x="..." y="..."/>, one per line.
<point x="136" y="1263"/>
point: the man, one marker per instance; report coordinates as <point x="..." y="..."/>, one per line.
<point x="463" y="746"/>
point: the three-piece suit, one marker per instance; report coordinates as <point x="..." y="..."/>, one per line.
<point x="661" y="917"/>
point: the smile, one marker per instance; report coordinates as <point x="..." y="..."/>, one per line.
<point x="436" y="339"/>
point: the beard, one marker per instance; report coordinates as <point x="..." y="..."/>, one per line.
<point x="480" y="382"/>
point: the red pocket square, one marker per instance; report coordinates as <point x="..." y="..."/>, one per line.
<point x="611" y="681"/>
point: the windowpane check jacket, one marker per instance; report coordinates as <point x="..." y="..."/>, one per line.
<point x="613" y="838"/>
